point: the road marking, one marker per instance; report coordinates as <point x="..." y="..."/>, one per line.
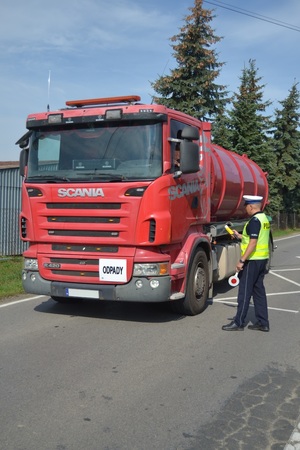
<point x="283" y="293"/>
<point x="286" y="279"/>
<point x="294" y="441"/>
<point x="288" y="237"/>
<point x="21" y="301"/>
<point x="269" y="295"/>
<point x="284" y="270"/>
<point x="224" y="300"/>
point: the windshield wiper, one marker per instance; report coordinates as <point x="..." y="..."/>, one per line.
<point x="103" y="176"/>
<point x="48" y="178"/>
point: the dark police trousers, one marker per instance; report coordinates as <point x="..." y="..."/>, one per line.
<point x="251" y="285"/>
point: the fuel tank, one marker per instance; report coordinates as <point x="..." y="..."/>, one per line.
<point x="233" y="176"/>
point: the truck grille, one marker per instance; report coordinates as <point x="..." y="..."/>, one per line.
<point x="87" y="222"/>
<point x="76" y="219"/>
<point x="74" y="236"/>
<point x="83" y="233"/>
<point x="83" y="206"/>
<point x="84" y="248"/>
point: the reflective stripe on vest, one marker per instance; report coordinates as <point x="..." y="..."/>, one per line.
<point x="262" y="246"/>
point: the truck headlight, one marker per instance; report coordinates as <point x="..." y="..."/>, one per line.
<point x="31" y="264"/>
<point x="150" y="269"/>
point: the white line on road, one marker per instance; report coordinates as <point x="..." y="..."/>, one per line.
<point x="286" y="279"/>
<point x="284" y="270"/>
<point x="294" y="441"/>
<point x="21" y="301"/>
<point x="283" y="293"/>
<point x="268" y="295"/>
<point x="224" y="300"/>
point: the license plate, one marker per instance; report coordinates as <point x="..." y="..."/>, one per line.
<point x="82" y="293"/>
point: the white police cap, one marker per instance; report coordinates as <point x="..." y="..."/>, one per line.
<point x="251" y="199"/>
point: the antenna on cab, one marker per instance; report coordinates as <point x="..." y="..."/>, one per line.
<point x="49" y="80"/>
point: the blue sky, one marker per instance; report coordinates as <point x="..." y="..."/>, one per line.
<point x="100" y="48"/>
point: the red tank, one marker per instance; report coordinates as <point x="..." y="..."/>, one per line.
<point x="233" y="176"/>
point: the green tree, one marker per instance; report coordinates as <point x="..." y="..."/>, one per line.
<point x="191" y="87"/>
<point x="249" y="122"/>
<point x="286" y="142"/>
<point x="221" y="131"/>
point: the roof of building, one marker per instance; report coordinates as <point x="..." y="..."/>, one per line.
<point x="9" y="164"/>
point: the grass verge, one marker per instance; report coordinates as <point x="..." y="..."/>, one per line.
<point x="281" y="233"/>
<point x="10" y="276"/>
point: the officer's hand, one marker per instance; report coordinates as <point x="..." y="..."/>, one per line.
<point x="239" y="266"/>
<point x="236" y="234"/>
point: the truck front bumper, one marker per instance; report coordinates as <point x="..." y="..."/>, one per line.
<point x="138" y="289"/>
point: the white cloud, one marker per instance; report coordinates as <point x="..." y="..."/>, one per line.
<point x="114" y="47"/>
<point x="71" y="25"/>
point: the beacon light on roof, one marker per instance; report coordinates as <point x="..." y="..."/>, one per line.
<point x="55" y="118"/>
<point x="104" y="101"/>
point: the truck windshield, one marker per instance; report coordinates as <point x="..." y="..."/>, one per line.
<point x="108" y="152"/>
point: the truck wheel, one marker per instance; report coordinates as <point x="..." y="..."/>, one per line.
<point x="197" y="287"/>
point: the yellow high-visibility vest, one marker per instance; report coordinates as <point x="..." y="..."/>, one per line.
<point x="262" y="246"/>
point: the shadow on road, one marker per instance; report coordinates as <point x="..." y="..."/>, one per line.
<point x="134" y="312"/>
<point x="127" y="311"/>
<point x="223" y="287"/>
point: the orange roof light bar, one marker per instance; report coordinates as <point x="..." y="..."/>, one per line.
<point x="104" y="101"/>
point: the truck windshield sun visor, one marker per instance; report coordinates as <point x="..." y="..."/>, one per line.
<point x="68" y="120"/>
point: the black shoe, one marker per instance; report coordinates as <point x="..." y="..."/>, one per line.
<point x="259" y="327"/>
<point x="232" y="326"/>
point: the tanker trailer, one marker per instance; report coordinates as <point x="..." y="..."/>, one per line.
<point x="232" y="177"/>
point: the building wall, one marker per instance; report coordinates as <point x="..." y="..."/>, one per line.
<point x="10" y="207"/>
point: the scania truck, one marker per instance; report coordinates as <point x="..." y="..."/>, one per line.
<point x="125" y="201"/>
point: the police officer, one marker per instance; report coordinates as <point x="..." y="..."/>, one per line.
<point x="252" y="267"/>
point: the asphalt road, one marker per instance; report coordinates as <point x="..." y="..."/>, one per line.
<point x="112" y="376"/>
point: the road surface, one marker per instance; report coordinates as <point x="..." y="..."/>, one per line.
<point x="111" y="376"/>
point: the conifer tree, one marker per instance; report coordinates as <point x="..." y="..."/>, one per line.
<point x="286" y="142"/>
<point x="191" y="87"/>
<point x="221" y="130"/>
<point x="248" y="120"/>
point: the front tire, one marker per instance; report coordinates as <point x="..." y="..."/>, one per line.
<point x="195" y="299"/>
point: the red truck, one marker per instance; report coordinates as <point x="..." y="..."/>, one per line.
<point x="127" y="201"/>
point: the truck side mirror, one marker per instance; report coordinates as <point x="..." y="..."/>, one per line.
<point x="189" y="157"/>
<point x="190" y="134"/>
<point x="23" y="161"/>
<point x="189" y="151"/>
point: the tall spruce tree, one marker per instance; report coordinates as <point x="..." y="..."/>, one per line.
<point x="191" y="86"/>
<point x="286" y="142"/>
<point x="221" y="130"/>
<point x="249" y="122"/>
